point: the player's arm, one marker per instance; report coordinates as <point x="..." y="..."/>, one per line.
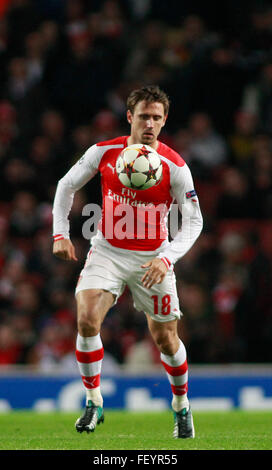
<point x="183" y="191"/>
<point x="76" y="178"/>
<point x="182" y="188"/>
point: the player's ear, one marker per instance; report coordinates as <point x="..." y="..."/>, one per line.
<point x="164" y="119"/>
<point x="129" y="116"/>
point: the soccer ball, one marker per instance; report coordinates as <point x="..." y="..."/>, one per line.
<point x="139" y="167"/>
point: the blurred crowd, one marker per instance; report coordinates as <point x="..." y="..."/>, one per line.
<point x="66" y="68"/>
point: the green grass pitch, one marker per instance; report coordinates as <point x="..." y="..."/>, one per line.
<point x="124" y="430"/>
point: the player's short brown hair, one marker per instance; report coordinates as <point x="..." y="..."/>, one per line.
<point x="150" y="94"/>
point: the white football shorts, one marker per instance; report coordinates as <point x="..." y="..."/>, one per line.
<point x="112" y="268"/>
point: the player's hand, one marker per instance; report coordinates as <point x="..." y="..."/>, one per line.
<point x="155" y="274"/>
<point x="64" y="249"/>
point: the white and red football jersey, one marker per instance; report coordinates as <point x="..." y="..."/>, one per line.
<point x="147" y="229"/>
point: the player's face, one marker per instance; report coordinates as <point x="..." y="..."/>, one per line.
<point x="146" y="123"/>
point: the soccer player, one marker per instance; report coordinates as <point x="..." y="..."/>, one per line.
<point x="145" y="265"/>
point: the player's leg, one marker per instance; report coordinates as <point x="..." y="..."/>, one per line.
<point x="174" y="361"/>
<point x="161" y="305"/>
<point x="99" y="286"/>
<point x="173" y="358"/>
<point x="92" y="307"/>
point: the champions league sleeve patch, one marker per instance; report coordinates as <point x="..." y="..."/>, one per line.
<point x="190" y="194"/>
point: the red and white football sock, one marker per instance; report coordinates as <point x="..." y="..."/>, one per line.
<point x="89" y="354"/>
<point x="177" y="372"/>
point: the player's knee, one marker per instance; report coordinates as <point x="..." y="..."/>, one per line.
<point x="166" y="342"/>
<point x="88" y="323"/>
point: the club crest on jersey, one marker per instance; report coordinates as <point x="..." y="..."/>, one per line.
<point x="190" y="194"/>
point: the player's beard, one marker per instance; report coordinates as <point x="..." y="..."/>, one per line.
<point x="148" y="139"/>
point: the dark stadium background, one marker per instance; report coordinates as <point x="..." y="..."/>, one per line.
<point x="66" y="68"/>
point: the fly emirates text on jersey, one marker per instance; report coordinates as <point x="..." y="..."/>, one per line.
<point x="126" y="217"/>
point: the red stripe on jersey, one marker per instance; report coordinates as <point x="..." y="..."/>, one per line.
<point x="91" y="382"/>
<point x="166" y="262"/>
<point x="175" y="371"/>
<point x="58" y="237"/>
<point x="90" y="356"/>
<point x="179" y="389"/>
